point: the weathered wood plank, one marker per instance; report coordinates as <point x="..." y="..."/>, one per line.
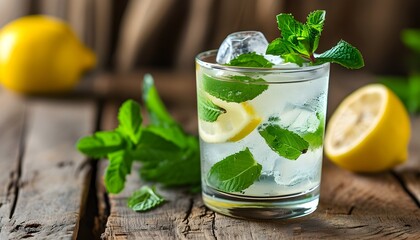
<point x="54" y="175"/>
<point x="12" y="109"/>
<point x="355" y="206"/>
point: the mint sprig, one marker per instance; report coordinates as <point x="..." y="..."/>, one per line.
<point x="169" y="155"/>
<point x="234" y="173"/>
<point x="299" y="41"/>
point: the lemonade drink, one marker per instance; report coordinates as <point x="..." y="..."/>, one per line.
<point x="261" y="137"/>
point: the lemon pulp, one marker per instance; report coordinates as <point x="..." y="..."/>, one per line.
<point x="239" y="120"/>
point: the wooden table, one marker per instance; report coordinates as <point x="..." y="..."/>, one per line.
<point x="50" y="191"/>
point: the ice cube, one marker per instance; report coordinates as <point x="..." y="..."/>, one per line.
<point x="241" y="42"/>
<point x="298" y="118"/>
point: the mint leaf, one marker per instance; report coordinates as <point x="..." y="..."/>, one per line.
<point x="235" y="89"/>
<point x="144" y="199"/>
<point x="316" y="19"/>
<point x="344" y="54"/>
<point x="171" y="133"/>
<point x="119" y="167"/>
<point x="129" y="117"/>
<point x="181" y="168"/>
<point x="411" y="38"/>
<point x="284" y="142"/>
<point x="234" y="173"/>
<point x="316" y="139"/>
<point x="295" y="33"/>
<point x="315" y="24"/>
<point x="289" y="27"/>
<point x="207" y="110"/>
<point x="154" y="148"/>
<point x="100" y="144"/>
<point x="279" y="47"/>
<point x="154" y="105"/>
<point x="250" y="60"/>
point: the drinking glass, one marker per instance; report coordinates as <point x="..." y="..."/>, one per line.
<point x="262" y="113"/>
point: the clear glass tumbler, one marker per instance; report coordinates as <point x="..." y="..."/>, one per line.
<point x="261" y="137"/>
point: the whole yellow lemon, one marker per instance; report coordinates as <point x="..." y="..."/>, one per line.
<point x="41" y="54"/>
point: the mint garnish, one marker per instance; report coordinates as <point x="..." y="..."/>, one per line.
<point x="250" y="60"/>
<point x="284" y="142"/>
<point x="344" y="54"/>
<point x="234" y="173"/>
<point x="144" y="199"/>
<point x="299" y="41"/>
<point x="207" y="110"/>
<point x="235" y="88"/>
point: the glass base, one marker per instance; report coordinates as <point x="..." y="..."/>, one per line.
<point x="262" y="208"/>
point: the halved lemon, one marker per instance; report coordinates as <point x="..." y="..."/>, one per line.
<point x="239" y="120"/>
<point x="369" y="131"/>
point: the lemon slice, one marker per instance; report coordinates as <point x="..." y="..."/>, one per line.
<point x="238" y="121"/>
<point x="369" y="131"/>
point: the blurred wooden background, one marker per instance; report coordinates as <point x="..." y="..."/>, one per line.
<point x="131" y="34"/>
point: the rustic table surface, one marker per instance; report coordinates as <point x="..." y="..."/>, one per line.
<point x="50" y="191"/>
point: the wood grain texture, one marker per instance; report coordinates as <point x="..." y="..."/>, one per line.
<point x="53" y="175"/>
<point x="12" y="109"/>
<point x="352" y="206"/>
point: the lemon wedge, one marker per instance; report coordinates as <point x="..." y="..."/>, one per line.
<point x="369" y="131"/>
<point x="239" y="120"/>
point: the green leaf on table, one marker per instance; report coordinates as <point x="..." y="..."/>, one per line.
<point x="411" y="38"/>
<point x="180" y="168"/>
<point x="235" y="88"/>
<point x="154" y="105"/>
<point x="153" y="147"/>
<point x="171" y="133"/>
<point x="250" y="60"/>
<point x="344" y="54"/>
<point x="234" y="173"/>
<point x="284" y="142"/>
<point x="207" y="110"/>
<point x="119" y="167"/>
<point x="130" y="119"/>
<point x="144" y="199"/>
<point x="100" y="144"/>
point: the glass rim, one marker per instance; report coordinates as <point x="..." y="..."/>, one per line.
<point x="200" y="56"/>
